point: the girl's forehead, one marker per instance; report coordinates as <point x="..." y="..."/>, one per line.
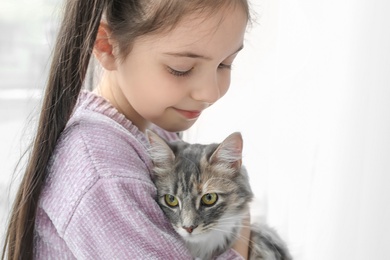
<point x="204" y="33"/>
<point x="197" y="26"/>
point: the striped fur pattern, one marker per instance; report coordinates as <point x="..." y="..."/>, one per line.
<point x="204" y="191"/>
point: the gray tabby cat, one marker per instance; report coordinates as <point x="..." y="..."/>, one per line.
<point x="204" y="191"/>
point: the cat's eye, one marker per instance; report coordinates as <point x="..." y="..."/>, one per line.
<point x="209" y="199"/>
<point x="171" y="200"/>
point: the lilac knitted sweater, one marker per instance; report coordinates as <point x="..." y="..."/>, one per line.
<point x="98" y="200"/>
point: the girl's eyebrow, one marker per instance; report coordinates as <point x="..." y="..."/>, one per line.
<point x="195" y="55"/>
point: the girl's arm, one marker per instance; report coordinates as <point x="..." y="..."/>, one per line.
<point x="119" y="219"/>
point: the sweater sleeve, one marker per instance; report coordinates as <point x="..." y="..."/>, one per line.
<point x="119" y="219"/>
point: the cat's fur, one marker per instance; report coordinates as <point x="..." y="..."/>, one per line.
<point x="190" y="171"/>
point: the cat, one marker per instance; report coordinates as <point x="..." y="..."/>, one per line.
<point x="204" y="191"/>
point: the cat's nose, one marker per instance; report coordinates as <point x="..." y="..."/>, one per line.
<point x="190" y="229"/>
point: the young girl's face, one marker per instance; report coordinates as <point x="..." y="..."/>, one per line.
<point x="170" y="79"/>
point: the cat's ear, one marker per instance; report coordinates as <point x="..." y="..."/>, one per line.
<point x="161" y="154"/>
<point x="229" y="151"/>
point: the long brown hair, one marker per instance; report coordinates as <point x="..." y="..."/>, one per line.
<point x="75" y="41"/>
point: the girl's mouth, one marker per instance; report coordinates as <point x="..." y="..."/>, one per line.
<point x="189" y="114"/>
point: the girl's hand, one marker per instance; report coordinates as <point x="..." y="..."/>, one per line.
<point x="241" y="245"/>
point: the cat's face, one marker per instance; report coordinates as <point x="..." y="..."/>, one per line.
<point x="202" y="189"/>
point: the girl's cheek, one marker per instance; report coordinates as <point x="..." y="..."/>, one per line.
<point x="225" y="85"/>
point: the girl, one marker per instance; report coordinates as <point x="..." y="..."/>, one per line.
<point x="87" y="191"/>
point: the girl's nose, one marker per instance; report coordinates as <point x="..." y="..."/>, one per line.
<point x="207" y="90"/>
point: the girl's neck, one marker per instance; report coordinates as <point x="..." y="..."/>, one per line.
<point x="117" y="100"/>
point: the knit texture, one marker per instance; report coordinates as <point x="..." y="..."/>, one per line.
<point x="98" y="200"/>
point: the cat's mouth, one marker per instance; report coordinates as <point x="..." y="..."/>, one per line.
<point x="193" y="236"/>
<point x="184" y="233"/>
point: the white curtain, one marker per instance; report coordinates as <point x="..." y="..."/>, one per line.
<point x="311" y="95"/>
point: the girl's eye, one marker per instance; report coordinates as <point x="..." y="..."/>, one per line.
<point x="225" y="66"/>
<point x="171" y="200"/>
<point x="179" y="73"/>
<point x="209" y="199"/>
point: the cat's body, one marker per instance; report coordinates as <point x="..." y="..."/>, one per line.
<point x="205" y="193"/>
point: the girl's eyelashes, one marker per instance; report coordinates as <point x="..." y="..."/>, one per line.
<point x="179" y="73"/>
<point x="225" y="66"/>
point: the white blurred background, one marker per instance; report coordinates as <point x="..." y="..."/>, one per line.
<point x="310" y="94"/>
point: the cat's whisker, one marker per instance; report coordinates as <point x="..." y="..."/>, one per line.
<point x="232" y="223"/>
<point x="234" y="235"/>
<point x="236" y="225"/>
<point x="235" y="217"/>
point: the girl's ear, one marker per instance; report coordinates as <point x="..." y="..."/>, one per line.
<point x="104" y="48"/>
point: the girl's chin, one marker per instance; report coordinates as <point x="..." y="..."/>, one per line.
<point x="178" y="127"/>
